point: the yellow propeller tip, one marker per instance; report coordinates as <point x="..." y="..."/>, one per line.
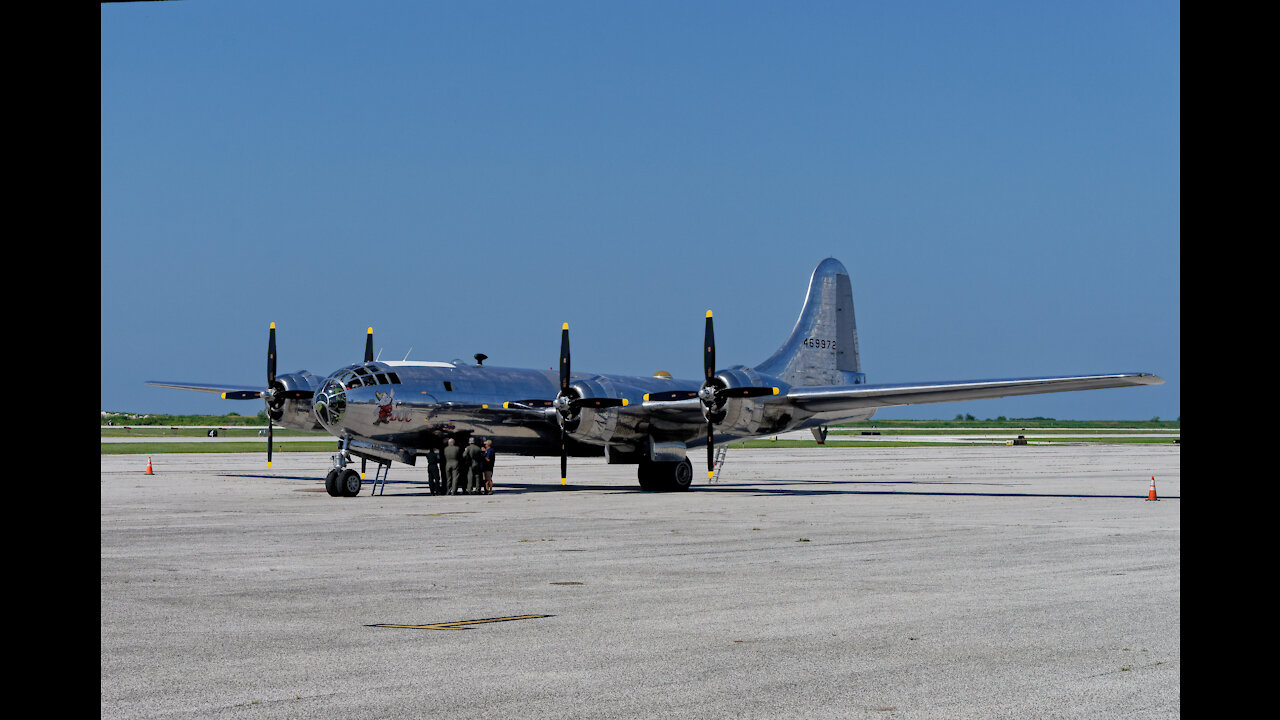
<point x="224" y="396"/>
<point x="776" y="391"/>
<point x="625" y="402"/>
<point x="710" y="474"/>
<point x="708" y="313"/>
<point x="506" y="406"/>
<point x="370" y="331"/>
<point x="646" y="398"/>
<point x="565" y="326"/>
<point x="273" y="326"/>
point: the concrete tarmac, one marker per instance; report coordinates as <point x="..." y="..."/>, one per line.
<point x="825" y="582"/>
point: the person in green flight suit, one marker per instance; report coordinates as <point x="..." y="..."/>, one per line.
<point x="452" y="465"/>
<point x="475" y="466"/>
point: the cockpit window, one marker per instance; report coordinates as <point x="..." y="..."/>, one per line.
<point x="382" y="379"/>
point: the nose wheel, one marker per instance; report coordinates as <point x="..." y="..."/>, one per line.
<point x="342" y="482"/>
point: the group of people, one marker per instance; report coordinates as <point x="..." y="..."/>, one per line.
<point x="461" y="471"/>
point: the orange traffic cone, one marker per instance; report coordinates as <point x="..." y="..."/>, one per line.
<point x="150" y="472"/>
<point x="1151" y="494"/>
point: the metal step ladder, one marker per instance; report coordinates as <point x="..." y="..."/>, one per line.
<point x="380" y="474"/>
<point x="721" y="453"/>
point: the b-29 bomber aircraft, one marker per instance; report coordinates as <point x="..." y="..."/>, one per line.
<point x="394" y="411"/>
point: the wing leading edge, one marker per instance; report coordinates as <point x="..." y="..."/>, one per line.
<point x="204" y="387"/>
<point x="859" y="397"/>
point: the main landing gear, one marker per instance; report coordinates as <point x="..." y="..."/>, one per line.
<point x="659" y="476"/>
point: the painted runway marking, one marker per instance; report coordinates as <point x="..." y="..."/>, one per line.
<point x="459" y="624"/>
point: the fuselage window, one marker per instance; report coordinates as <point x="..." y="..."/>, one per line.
<point x="448" y="386"/>
<point x="395" y="379"/>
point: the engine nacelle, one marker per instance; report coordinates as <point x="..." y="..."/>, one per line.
<point x="295" y="414"/>
<point x="750" y="416"/>
<point x="606" y="425"/>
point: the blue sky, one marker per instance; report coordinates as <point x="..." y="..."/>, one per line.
<point x="1001" y="180"/>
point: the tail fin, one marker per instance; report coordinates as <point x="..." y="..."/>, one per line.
<point x="823" y="347"/>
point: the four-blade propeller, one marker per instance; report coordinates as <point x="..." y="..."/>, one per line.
<point x="713" y="394"/>
<point x="274" y="395"/>
<point x="568" y="403"/>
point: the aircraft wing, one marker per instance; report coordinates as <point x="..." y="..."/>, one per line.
<point x="205" y="387"/>
<point x="856" y="397"/>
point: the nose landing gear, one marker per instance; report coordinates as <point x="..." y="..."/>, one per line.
<point x="342" y="482"/>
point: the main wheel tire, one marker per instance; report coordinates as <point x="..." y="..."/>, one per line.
<point x="331" y="482"/>
<point x="646" y="473"/>
<point x="681" y="475"/>
<point x="349" y="483"/>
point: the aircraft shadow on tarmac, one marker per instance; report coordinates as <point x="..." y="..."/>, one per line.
<point x="417" y="488"/>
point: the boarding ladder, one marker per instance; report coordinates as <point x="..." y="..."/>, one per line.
<point x="380" y="479"/>
<point x="721" y="453"/>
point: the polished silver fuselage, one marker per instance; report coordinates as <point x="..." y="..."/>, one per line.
<point x="430" y="402"/>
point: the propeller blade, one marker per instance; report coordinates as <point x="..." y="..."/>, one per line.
<point x="598" y="403"/>
<point x="746" y="392"/>
<point x="241" y="395"/>
<point x="564" y="357"/>
<point x="671" y="395"/>
<point x="270" y="437"/>
<point x="368" y="346"/>
<point x="271" y="356"/>
<point x="564" y="457"/>
<point x="527" y="404"/>
<point x="711" y="441"/>
<point x="709" y="350"/>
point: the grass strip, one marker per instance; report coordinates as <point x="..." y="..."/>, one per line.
<point x="145" y="448"/>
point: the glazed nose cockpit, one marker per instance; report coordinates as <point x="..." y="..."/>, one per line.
<point x="331" y="400"/>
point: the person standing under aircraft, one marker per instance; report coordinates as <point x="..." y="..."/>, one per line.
<point x="433" y="472"/>
<point x="475" y="466"/>
<point x="452" y="465"/>
<point x="488" y="467"/>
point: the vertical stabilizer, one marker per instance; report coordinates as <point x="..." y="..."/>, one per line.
<point x="823" y="346"/>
